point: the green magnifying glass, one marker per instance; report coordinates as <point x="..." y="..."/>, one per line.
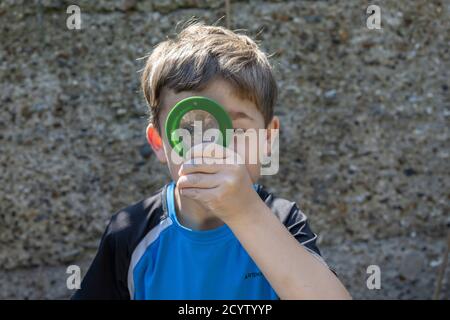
<point x="197" y="120"/>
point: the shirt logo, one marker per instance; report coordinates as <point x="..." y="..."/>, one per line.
<point x="250" y="275"/>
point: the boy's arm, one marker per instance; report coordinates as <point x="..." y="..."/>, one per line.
<point x="227" y="191"/>
<point x="291" y="269"/>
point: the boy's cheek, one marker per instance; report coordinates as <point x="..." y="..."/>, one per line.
<point x="173" y="162"/>
<point x="174" y="169"/>
<point x="249" y="152"/>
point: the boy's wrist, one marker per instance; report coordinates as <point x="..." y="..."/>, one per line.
<point x="248" y="214"/>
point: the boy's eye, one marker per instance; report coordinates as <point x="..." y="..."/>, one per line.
<point x="190" y="129"/>
<point x="239" y="130"/>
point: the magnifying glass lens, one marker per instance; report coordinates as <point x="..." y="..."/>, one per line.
<point x="203" y="119"/>
<point x="197" y="122"/>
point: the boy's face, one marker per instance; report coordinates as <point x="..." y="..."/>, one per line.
<point x="244" y="115"/>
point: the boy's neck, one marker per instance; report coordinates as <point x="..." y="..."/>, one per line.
<point x="192" y="215"/>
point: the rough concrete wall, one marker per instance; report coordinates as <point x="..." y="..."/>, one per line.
<point x="364" y="142"/>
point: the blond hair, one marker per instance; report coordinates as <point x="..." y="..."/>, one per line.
<point x="200" y="53"/>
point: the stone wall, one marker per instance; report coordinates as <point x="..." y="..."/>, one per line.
<point x="364" y="140"/>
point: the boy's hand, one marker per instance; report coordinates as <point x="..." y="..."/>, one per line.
<point x="219" y="181"/>
<point x="226" y="190"/>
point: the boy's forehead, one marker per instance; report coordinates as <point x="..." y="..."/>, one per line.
<point x="218" y="90"/>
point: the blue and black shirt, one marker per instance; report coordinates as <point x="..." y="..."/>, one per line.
<point x="145" y="253"/>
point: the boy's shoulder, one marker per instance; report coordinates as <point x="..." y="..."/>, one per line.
<point x="285" y="210"/>
<point x="134" y="227"/>
<point x="131" y="223"/>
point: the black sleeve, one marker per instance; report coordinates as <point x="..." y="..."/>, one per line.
<point x="106" y="277"/>
<point x="293" y="219"/>
<point x="297" y="224"/>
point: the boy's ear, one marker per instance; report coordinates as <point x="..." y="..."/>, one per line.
<point x="274" y="124"/>
<point x="155" y="141"/>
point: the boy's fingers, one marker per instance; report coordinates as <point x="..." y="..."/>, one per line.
<point x="208" y="158"/>
<point x="209" y="150"/>
<point x="203" y="165"/>
<point x="198" y="180"/>
<point x="197" y="193"/>
<point x="208" y="165"/>
<point x="213" y="150"/>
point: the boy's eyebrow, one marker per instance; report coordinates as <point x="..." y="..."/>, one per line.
<point x="239" y="114"/>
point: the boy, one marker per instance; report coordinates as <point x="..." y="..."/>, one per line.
<point x="212" y="233"/>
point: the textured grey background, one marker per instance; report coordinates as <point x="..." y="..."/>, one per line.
<point x="364" y="142"/>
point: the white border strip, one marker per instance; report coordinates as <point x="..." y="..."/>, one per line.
<point x="139" y="251"/>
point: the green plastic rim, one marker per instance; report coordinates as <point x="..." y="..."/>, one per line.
<point x="197" y="103"/>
